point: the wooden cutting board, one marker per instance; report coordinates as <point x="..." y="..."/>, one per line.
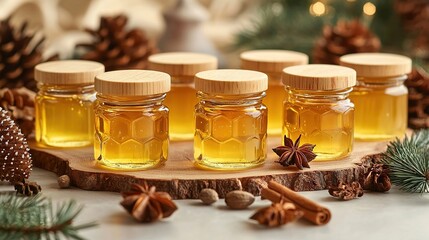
<point x="183" y="181"/>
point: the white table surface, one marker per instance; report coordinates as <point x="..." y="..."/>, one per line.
<point x="392" y="215"/>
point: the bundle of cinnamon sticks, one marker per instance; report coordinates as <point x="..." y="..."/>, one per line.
<point x="313" y="212"/>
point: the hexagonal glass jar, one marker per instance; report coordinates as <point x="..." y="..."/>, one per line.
<point x="231" y="121"/>
<point x="65" y="101"/>
<point x="131" y="121"/>
<point x="317" y="107"/>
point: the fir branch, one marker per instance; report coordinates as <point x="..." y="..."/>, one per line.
<point x="36" y="218"/>
<point x="408" y="162"/>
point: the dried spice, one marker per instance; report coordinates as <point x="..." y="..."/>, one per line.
<point x="346" y="191"/>
<point x="277" y="214"/>
<point x="27" y="188"/>
<point x="377" y="178"/>
<point x="147" y="205"/>
<point x="209" y="196"/>
<point x="20" y="104"/>
<point x="291" y="153"/>
<point x="239" y="199"/>
<point x="64" y="181"/>
<point x="15" y="159"/>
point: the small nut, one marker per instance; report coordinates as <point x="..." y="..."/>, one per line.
<point x="64" y="181"/>
<point x="239" y="199"/>
<point x="208" y="196"/>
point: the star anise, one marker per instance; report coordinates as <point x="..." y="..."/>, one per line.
<point x="377" y="178"/>
<point x="291" y="153"/>
<point x="277" y="214"/>
<point x="346" y="191"/>
<point x="147" y="205"/>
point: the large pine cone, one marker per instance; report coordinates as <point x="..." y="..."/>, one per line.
<point x="20" y="52"/>
<point x="418" y="99"/>
<point x="118" y="48"/>
<point x="414" y="15"/>
<point x="344" y="38"/>
<point x="15" y="159"/>
<point x="20" y="104"/>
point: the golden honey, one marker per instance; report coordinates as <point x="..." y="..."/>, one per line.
<point x="64" y="103"/>
<point x="380" y="97"/>
<point x="324" y="119"/>
<point x="272" y="62"/>
<point x="181" y="100"/>
<point x="131" y="122"/>
<point x="231" y="121"/>
<point x="317" y="107"/>
<point x="381" y="110"/>
<point x="274" y="101"/>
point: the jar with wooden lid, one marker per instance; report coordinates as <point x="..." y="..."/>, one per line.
<point x="272" y="63"/>
<point x="182" y="98"/>
<point x="64" y="102"/>
<point x="380" y="96"/>
<point x="319" y="109"/>
<point x="231" y="121"/>
<point x="131" y="121"/>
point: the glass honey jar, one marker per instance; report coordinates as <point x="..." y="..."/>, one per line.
<point x="182" y="98"/>
<point x="131" y="122"/>
<point x="64" y="102"/>
<point x="231" y="120"/>
<point x="318" y="108"/>
<point x="380" y="97"/>
<point x="272" y="62"/>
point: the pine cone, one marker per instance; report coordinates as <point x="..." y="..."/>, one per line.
<point x="118" y="48"/>
<point x="344" y="38"/>
<point x="414" y="15"/>
<point x="418" y="98"/>
<point x="14" y="152"/>
<point x="19" y="54"/>
<point x="20" y="104"/>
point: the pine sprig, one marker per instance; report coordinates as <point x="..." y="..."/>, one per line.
<point x="37" y="218"/>
<point x="408" y="162"/>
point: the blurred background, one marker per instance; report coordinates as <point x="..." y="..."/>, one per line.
<point x="122" y="34"/>
<point x="324" y="29"/>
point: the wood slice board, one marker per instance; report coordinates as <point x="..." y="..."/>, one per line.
<point x="183" y="181"/>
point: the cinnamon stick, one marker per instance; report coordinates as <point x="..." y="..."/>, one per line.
<point x="313" y="212"/>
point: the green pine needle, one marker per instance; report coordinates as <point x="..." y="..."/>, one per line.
<point x="408" y="161"/>
<point x="36" y="218"/>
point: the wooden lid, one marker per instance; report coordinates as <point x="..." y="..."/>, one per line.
<point x="377" y="64"/>
<point x="271" y="61"/>
<point x="319" y="77"/>
<point x="231" y="81"/>
<point x="182" y="63"/>
<point x="68" y="72"/>
<point x="132" y="83"/>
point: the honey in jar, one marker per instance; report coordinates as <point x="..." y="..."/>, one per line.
<point x="64" y="102"/>
<point x="272" y="62"/>
<point x="231" y="120"/>
<point x="318" y="108"/>
<point x="380" y="97"/>
<point x="131" y="121"/>
<point x="181" y="99"/>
